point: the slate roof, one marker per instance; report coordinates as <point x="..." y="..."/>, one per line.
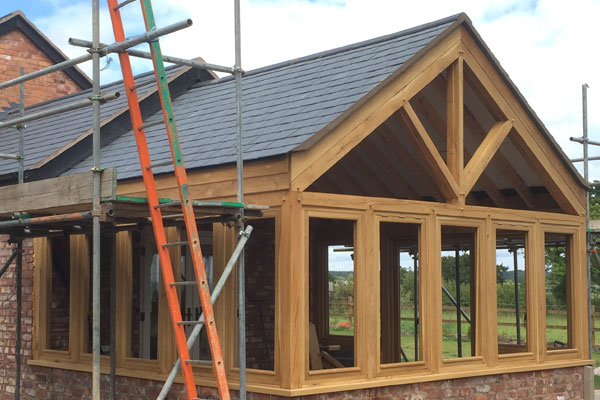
<point x="283" y="105"/>
<point x="46" y="136"/>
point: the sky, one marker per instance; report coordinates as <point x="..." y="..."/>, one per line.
<point x="548" y="47"/>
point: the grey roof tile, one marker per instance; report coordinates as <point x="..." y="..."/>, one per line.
<point x="46" y="136"/>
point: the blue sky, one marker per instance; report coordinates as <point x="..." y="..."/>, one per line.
<point x="546" y="46"/>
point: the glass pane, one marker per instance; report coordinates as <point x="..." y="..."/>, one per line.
<point x="399" y="292"/>
<point x="106" y="245"/>
<point x="145" y="294"/>
<point x="558" y="304"/>
<point x="458" y="291"/>
<point x="60" y="295"/>
<point x="331" y="294"/>
<point x="511" y="291"/>
<point x="188" y="295"/>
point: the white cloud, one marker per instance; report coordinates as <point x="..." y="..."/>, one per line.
<point x="547" y="47"/>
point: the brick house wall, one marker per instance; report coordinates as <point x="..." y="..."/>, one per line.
<point x="17" y="50"/>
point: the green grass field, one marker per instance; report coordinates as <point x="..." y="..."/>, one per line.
<point x="506" y="334"/>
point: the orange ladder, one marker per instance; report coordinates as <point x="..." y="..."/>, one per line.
<point x="184" y="201"/>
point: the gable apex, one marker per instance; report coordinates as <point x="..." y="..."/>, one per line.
<point x="18" y="20"/>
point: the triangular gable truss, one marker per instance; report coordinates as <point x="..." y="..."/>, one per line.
<point x="394" y="104"/>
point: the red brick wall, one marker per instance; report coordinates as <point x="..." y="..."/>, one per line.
<point x="16" y="50"/>
<point x="51" y="383"/>
<point x="8" y="314"/>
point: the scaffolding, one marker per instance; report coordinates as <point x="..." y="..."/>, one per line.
<point x="592" y="237"/>
<point x="127" y="213"/>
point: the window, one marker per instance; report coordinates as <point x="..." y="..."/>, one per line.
<point x="106" y="246"/>
<point x="188" y="295"/>
<point x="458" y="291"/>
<point x="511" y="264"/>
<point x="399" y="292"/>
<point x="558" y="294"/>
<point x="331" y="274"/>
<point x="145" y="296"/>
<point x="59" y="305"/>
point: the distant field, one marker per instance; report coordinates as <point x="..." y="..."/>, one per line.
<point x="506" y="334"/>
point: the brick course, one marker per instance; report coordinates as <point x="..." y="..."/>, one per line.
<point x="16" y="50"/>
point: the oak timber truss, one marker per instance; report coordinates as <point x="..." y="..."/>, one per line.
<point x="446" y="129"/>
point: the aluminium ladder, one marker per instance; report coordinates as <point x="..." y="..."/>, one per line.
<point x="185" y="203"/>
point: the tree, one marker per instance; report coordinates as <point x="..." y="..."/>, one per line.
<point x="449" y="268"/>
<point x="501" y="270"/>
<point x="556" y="271"/>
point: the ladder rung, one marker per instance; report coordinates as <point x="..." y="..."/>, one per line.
<point x="184" y="283"/>
<point x="150" y="124"/>
<point x="174" y="244"/>
<point x="160" y="164"/>
<point x="141" y="84"/>
<point x="173" y="216"/>
<point x="204" y="362"/>
<point x="190" y="322"/>
<point x="122" y="4"/>
<point x="169" y="204"/>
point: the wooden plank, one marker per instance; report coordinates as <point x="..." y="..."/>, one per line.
<point x="42" y="285"/>
<point x="63" y="191"/>
<point x="79" y="260"/>
<point x="374" y="171"/>
<point x="212" y="190"/>
<point x="217" y="182"/>
<point x="308" y="165"/>
<point x="429" y="153"/>
<point x="316" y="362"/>
<point x="484" y="154"/>
<point x="293" y="277"/>
<point x="124" y="261"/>
<point x="391" y="174"/>
<point x="455" y="122"/>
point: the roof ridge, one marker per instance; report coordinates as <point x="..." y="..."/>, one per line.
<point x="341" y="49"/>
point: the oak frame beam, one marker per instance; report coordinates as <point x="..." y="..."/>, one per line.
<point x="455" y="121"/>
<point x="484" y="154"/>
<point x="428" y="111"/>
<point x="427" y="150"/>
<point x="503" y="164"/>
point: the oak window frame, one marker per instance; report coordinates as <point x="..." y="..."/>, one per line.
<point x="531" y="241"/>
<point x="360" y="339"/>
<point x="576" y="278"/>
<point x="424" y="298"/>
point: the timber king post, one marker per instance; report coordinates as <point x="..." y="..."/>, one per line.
<point x="122" y="46"/>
